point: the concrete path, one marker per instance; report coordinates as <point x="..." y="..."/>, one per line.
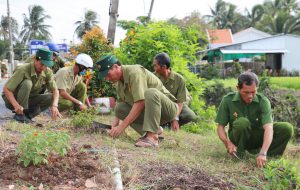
<point x="5" y="114"/>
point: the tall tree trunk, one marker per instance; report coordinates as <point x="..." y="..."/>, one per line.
<point x="113" y="13"/>
<point x="11" y="49"/>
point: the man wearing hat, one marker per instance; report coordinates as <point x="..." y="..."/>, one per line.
<point x="22" y="92"/>
<point x="69" y="82"/>
<point x="143" y="101"/>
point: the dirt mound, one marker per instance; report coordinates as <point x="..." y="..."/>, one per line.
<point x="167" y="176"/>
<point x="72" y="170"/>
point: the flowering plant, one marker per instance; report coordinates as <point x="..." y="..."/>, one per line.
<point x="36" y="147"/>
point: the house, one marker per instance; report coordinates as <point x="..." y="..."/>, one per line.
<point x="249" y="34"/>
<point x="281" y="51"/>
<point x="219" y="37"/>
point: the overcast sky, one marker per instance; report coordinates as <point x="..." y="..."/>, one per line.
<point x="64" y="13"/>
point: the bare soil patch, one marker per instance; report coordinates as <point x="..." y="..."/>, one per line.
<point x="69" y="172"/>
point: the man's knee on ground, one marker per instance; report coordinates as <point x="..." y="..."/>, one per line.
<point x="241" y="124"/>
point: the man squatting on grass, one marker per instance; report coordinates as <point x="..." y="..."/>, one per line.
<point x="250" y="121"/>
<point x="143" y="101"/>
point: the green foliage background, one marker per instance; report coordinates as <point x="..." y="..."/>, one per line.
<point x="143" y="42"/>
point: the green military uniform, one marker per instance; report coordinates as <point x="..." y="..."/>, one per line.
<point x="73" y="85"/>
<point x="58" y="63"/>
<point x="176" y="85"/>
<point x="141" y="84"/>
<point x="246" y="124"/>
<point x="27" y="87"/>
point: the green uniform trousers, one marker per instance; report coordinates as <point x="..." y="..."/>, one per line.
<point x="247" y="138"/>
<point x="187" y="115"/>
<point x="79" y="93"/>
<point x="159" y="109"/>
<point x="33" y="104"/>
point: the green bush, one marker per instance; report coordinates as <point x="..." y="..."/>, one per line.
<point x="35" y="147"/>
<point x="83" y="119"/>
<point x="209" y="72"/>
<point x="282" y="174"/>
<point x="143" y="42"/>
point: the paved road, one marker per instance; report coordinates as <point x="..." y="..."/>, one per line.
<point x="5" y="114"/>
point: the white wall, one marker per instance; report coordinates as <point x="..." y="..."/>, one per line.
<point x="291" y="59"/>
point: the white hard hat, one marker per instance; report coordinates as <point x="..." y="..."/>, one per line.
<point x="84" y="59"/>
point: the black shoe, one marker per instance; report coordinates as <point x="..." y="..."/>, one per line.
<point x="166" y="125"/>
<point x="32" y="112"/>
<point x="22" y="119"/>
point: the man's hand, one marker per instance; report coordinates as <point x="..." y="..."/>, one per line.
<point x="174" y="125"/>
<point x="54" y="112"/>
<point x="115" y="122"/>
<point x="19" y="109"/>
<point x="82" y="107"/>
<point x="231" y="148"/>
<point x="115" y="131"/>
<point x="261" y="160"/>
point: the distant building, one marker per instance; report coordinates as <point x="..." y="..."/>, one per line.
<point x="219" y="37"/>
<point x="249" y="34"/>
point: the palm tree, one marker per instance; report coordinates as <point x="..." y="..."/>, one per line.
<point x="89" y="20"/>
<point x="4" y="30"/>
<point x="255" y="15"/>
<point x="225" y="16"/>
<point x="34" y="25"/>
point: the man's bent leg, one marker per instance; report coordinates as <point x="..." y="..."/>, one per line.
<point x="80" y="92"/>
<point x="158" y="109"/>
<point x="240" y="134"/>
<point x="122" y="109"/>
<point x="38" y="104"/>
<point x="283" y="132"/>
<point x="187" y="115"/>
<point x="64" y="104"/>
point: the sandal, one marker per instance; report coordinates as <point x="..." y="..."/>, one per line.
<point x="146" y="142"/>
<point x="160" y="134"/>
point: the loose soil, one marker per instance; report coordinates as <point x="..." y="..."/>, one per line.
<point x="167" y="176"/>
<point x="68" y="172"/>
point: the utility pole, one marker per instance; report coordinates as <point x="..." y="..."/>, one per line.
<point x="150" y="11"/>
<point x="113" y="15"/>
<point x="11" y="49"/>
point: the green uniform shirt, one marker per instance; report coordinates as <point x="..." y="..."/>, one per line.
<point x="176" y="85"/>
<point x="58" y="63"/>
<point x="66" y="80"/>
<point x="27" y="71"/>
<point x="232" y="107"/>
<point x="137" y="80"/>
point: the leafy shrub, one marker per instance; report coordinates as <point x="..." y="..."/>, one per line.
<point x="236" y="70"/>
<point x="95" y="44"/>
<point x="214" y="93"/>
<point x="36" y="147"/>
<point x="143" y="42"/>
<point x="209" y="72"/>
<point x="83" y="119"/>
<point x="282" y="174"/>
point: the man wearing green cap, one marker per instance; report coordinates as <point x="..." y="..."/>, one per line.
<point x="22" y="92"/>
<point x="143" y="102"/>
<point x="251" y="126"/>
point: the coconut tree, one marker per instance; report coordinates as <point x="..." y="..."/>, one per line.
<point x="255" y="15"/>
<point x="34" y="24"/>
<point x="4" y="30"/>
<point x="87" y="23"/>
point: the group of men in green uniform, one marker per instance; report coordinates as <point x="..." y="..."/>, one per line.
<point x="148" y="100"/>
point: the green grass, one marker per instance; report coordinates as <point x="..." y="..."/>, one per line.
<point x="286" y="82"/>
<point x="276" y="82"/>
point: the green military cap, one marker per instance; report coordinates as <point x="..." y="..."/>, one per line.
<point x="104" y="64"/>
<point x="45" y="56"/>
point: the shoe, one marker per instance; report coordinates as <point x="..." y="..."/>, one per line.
<point x="32" y="112"/>
<point x="22" y="119"/>
<point x="146" y="143"/>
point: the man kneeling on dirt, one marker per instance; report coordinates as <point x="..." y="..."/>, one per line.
<point x="250" y="121"/>
<point x="143" y="102"/>
<point x="71" y="88"/>
<point x="23" y="92"/>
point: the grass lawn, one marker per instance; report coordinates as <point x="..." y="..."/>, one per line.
<point x="276" y="82"/>
<point x="180" y="157"/>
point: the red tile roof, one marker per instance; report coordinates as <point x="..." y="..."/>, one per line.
<point x="221" y="36"/>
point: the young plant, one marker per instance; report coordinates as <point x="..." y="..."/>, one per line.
<point x="36" y="147"/>
<point x="83" y="119"/>
<point x="282" y="174"/>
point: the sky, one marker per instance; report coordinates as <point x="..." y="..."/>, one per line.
<point x="64" y="13"/>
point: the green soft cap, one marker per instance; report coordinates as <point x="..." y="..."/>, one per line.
<point x="104" y="64"/>
<point x="45" y="56"/>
